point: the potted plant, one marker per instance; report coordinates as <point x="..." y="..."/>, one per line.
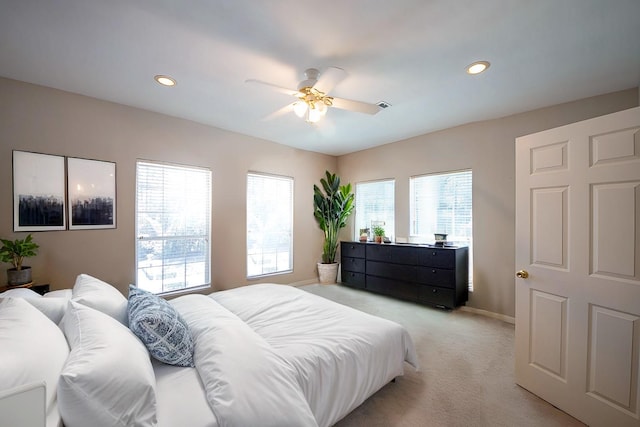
<point x="378" y="232"/>
<point x="14" y="252"/>
<point x="331" y="208"/>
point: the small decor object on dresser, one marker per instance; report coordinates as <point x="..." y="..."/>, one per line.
<point x="14" y="252"/>
<point x="378" y="232"/>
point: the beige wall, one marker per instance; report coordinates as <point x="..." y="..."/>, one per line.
<point x="34" y="118"/>
<point x="488" y="148"/>
<point x="39" y="119"/>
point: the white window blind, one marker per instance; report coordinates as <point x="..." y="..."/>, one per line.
<point x="375" y="205"/>
<point x="173" y="223"/>
<point x="269" y="224"/>
<point x="442" y="203"/>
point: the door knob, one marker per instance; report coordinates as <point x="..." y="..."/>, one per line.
<point x="522" y="274"/>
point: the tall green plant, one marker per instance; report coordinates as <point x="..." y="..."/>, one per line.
<point x="16" y="251"/>
<point x="331" y="210"/>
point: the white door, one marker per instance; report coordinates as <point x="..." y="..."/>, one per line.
<point x="578" y="238"/>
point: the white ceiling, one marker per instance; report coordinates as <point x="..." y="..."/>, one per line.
<point x="410" y="53"/>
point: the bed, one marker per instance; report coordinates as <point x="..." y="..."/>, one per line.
<point x="267" y="354"/>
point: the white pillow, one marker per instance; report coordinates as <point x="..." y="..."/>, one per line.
<point x="32" y="349"/>
<point x="59" y="293"/>
<point x="53" y="308"/>
<point x="100" y="295"/>
<point x="108" y="379"/>
<point x="20" y="293"/>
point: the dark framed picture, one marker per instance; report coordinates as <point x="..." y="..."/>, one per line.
<point x="92" y="194"/>
<point x="38" y="192"/>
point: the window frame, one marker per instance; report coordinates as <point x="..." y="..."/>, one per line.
<point x="207" y="236"/>
<point x="420" y="238"/>
<point x="283" y="178"/>
<point x="389" y="231"/>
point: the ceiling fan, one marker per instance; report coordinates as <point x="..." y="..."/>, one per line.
<point x="313" y="99"/>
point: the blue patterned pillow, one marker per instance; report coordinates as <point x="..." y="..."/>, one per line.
<point x="160" y="327"/>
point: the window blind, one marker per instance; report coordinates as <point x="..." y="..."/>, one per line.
<point x="269" y="224"/>
<point x="173" y="214"/>
<point x="375" y="205"/>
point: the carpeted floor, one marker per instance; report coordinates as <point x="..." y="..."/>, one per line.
<point x="466" y="375"/>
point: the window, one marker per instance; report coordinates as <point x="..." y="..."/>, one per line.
<point x="375" y="204"/>
<point x="173" y="227"/>
<point x="442" y="203"/>
<point x="269" y="224"/>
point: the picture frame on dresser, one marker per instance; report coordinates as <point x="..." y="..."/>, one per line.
<point x="38" y="192"/>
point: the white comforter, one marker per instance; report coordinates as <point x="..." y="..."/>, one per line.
<point x="341" y="355"/>
<point x="274" y="355"/>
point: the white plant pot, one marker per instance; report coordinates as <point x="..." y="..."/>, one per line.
<point x="328" y="273"/>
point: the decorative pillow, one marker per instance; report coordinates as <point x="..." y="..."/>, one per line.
<point x="160" y="327"/>
<point x="101" y="296"/>
<point x="32" y="349"/>
<point x="108" y="379"/>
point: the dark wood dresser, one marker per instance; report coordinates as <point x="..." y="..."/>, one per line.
<point x="427" y="274"/>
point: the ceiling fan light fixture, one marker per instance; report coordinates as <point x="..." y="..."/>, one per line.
<point x="300" y="108"/>
<point x="313" y="115"/>
<point x="478" y="67"/>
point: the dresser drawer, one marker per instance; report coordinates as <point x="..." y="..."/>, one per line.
<point x="392" y="253"/>
<point x="351" y="249"/>
<point x="437" y="277"/>
<point x="392" y="287"/>
<point x="392" y="271"/>
<point x="356" y="280"/>
<point x="434" y="257"/>
<point x="353" y="264"/>
<point x="436" y="296"/>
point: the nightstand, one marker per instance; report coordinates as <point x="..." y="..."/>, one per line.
<point x="41" y="289"/>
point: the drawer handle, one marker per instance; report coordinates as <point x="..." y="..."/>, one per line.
<point x="434" y="291"/>
<point x="433" y="271"/>
<point x="434" y="254"/>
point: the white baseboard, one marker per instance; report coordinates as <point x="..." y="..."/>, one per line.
<point x="491" y="314"/>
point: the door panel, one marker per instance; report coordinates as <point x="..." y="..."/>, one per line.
<point x="548" y="333"/>
<point x="578" y="236"/>
<point x="550" y="228"/>
<point x="613" y="357"/>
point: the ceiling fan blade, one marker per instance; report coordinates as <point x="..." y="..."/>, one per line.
<point x="281" y="112"/>
<point x="329" y="79"/>
<point x="272" y="86"/>
<point x="360" y="107"/>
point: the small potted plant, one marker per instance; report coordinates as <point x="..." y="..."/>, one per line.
<point x="378" y="232"/>
<point x="14" y="252"/>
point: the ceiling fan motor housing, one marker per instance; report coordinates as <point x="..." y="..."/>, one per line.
<point x="312" y="78"/>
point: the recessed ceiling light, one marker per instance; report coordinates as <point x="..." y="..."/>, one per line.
<point x="478" y="67"/>
<point x="165" y="80"/>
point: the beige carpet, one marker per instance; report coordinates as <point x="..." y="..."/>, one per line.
<point x="466" y="375"/>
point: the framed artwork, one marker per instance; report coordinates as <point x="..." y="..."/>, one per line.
<point x="92" y="194"/>
<point x="38" y="192"/>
